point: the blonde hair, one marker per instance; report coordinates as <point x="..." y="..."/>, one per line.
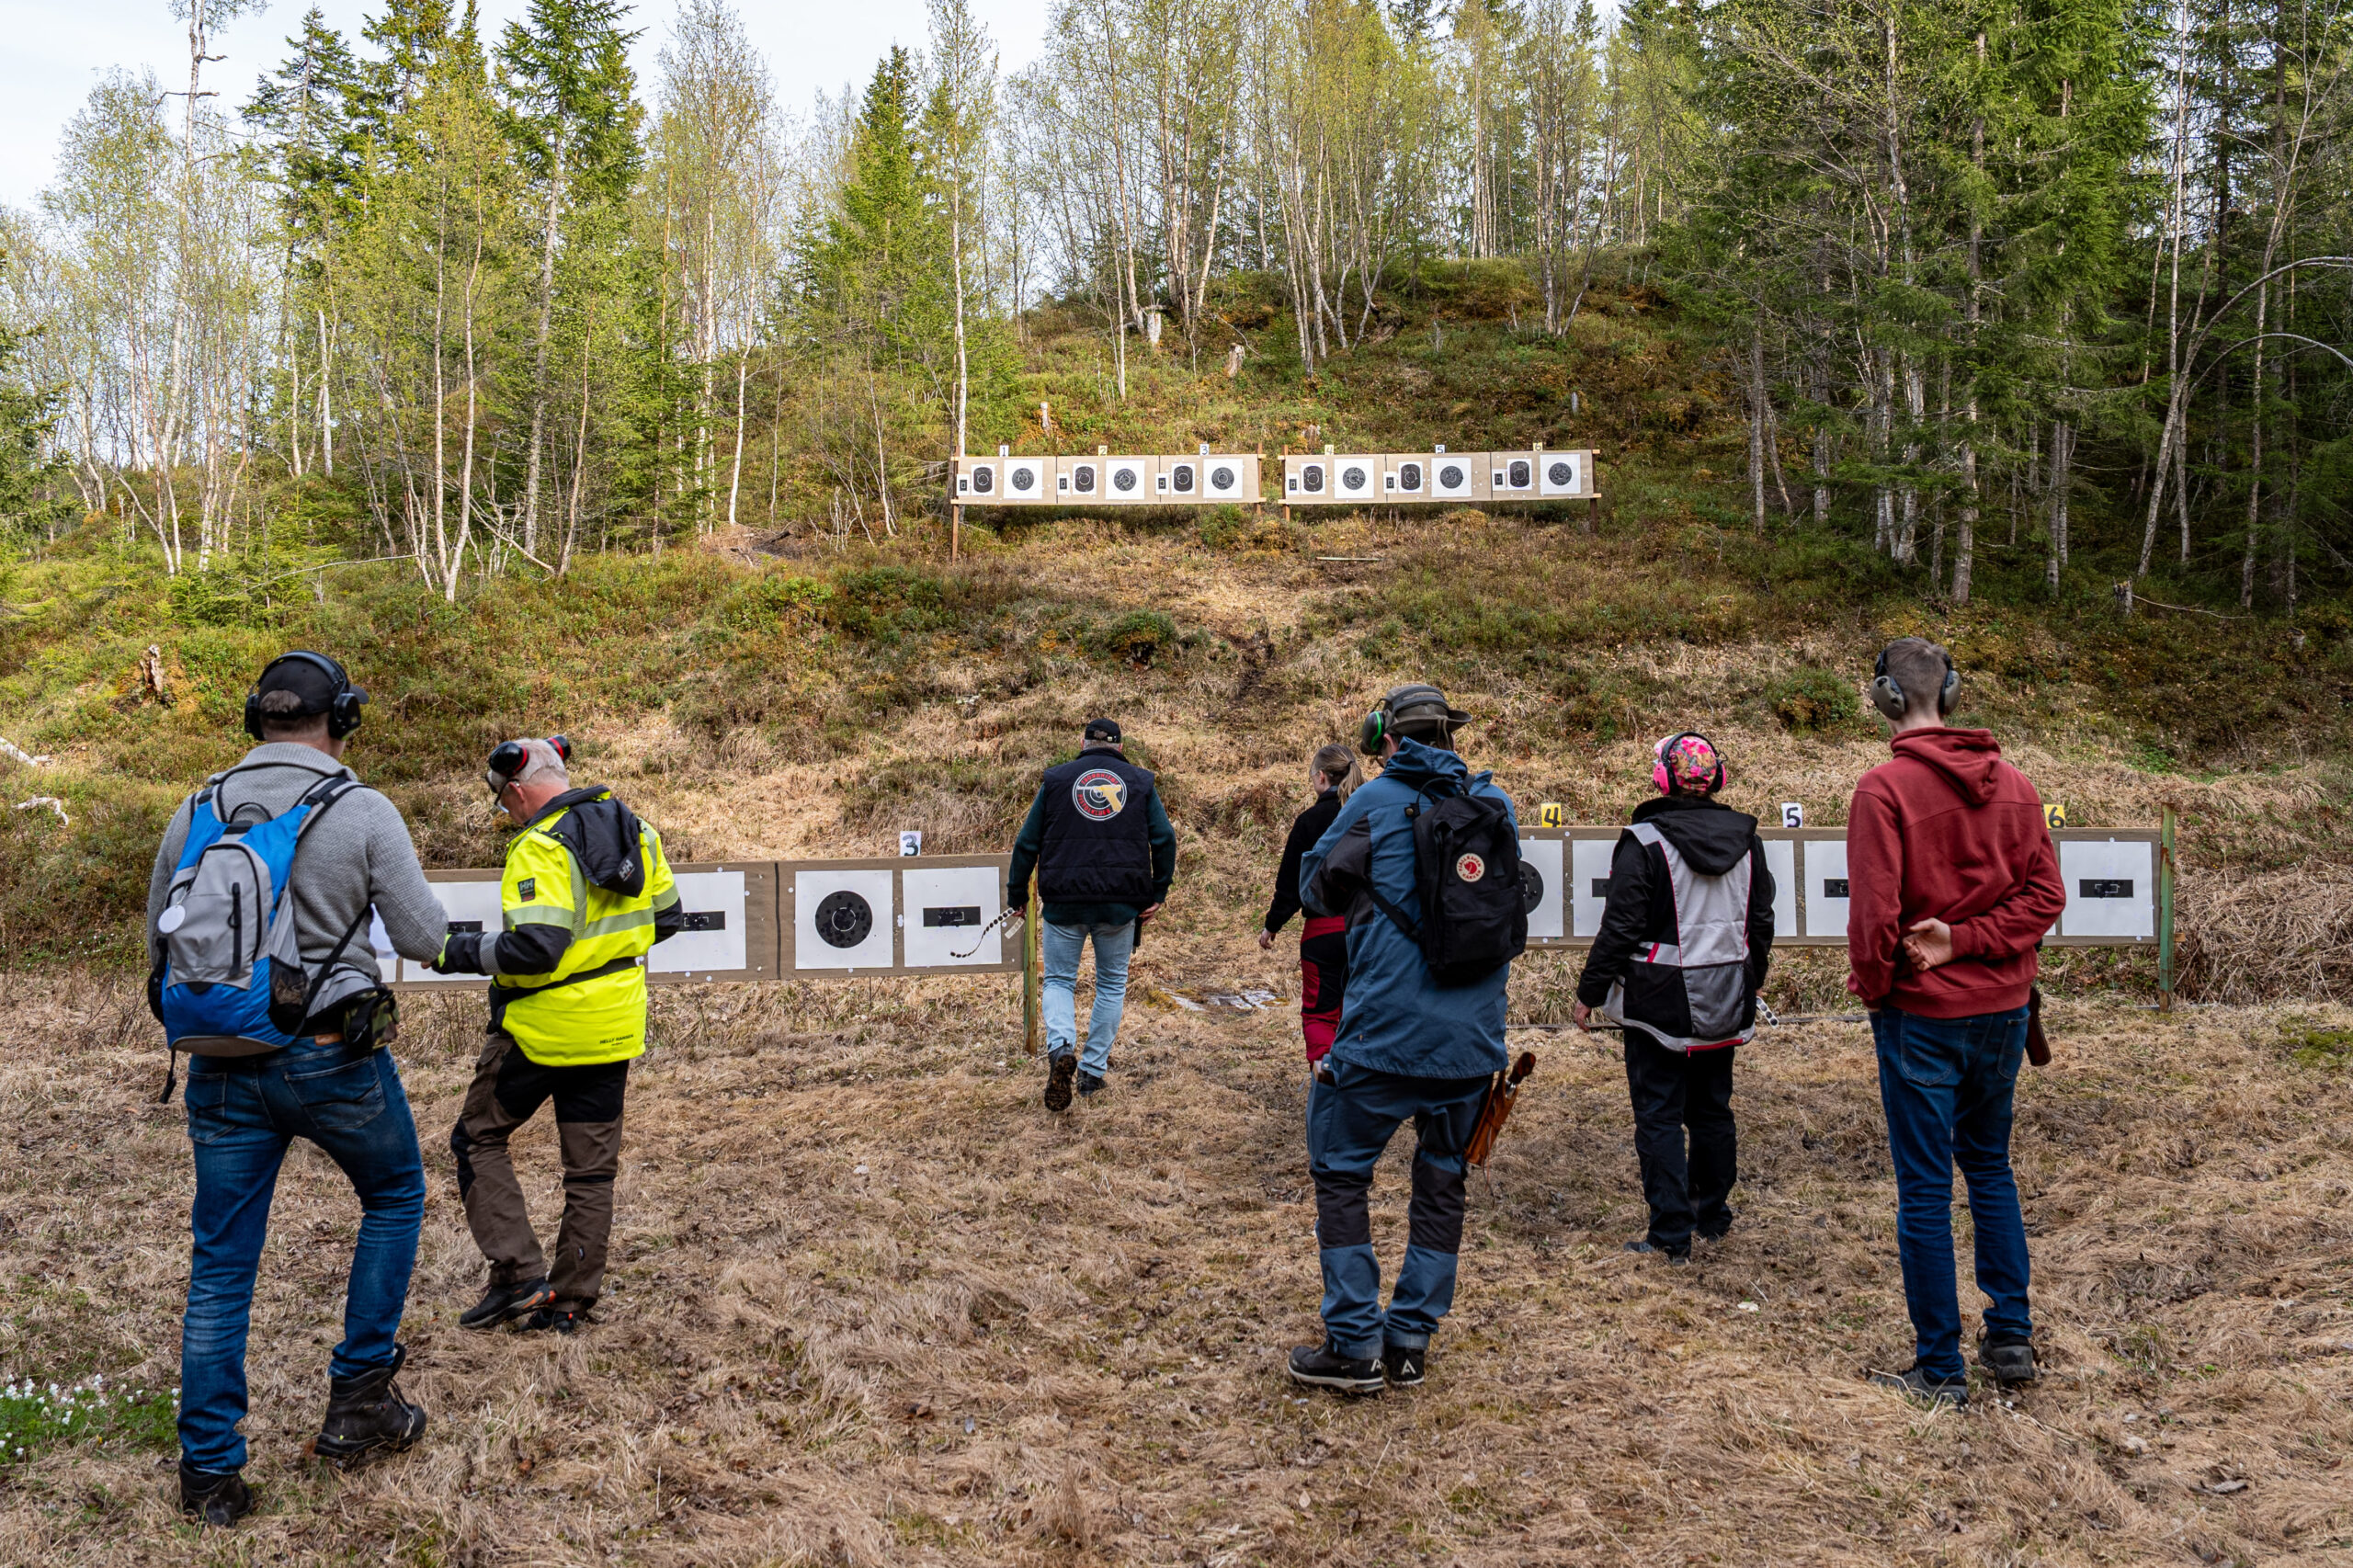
<point x="1336" y="764"/>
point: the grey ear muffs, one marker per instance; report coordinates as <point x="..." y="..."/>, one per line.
<point x="1382" y="722"/>
<point x="1889" y="698"/>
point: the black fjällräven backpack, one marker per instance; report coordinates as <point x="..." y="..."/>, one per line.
<point x="1468" y="877"/>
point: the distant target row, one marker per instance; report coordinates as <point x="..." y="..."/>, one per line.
<point x="1325" y="479"/>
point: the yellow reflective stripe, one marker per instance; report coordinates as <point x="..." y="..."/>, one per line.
<point x="628" y="920"/>
<point x="535" y="915"/>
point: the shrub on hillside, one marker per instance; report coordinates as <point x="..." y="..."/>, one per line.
<point x="766" y="601"/>
<point x="1138" y="637"/>
<point x="885" y="603"/>
<point x="1813" y="702"/>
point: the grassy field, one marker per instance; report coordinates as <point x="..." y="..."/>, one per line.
<point x="873" y="1306"/>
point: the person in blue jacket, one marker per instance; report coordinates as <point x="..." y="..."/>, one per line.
<point x="1406" y="1048"/>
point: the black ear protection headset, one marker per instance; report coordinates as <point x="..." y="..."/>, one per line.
<point x="343" y="711"/>
<point x="506" y="760"/>
<point x="1889" y="696"/>
<point x="1662" y="776"/>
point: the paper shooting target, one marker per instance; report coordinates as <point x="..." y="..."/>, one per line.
<point x="1454" y="476"/>
<point x="1512" y="473"/>
<point x="1024" y="479"/>
<point x="1356" y="478"/>
<point x="1223" y="478"/>
<point x="1127" y="479"/>
<point x="1406" y="477"/>
<point x="1081" y="479"/>
<point x="841" y="920"/>
<point x="1180" y="479"/>
<point x="1561" y="473"/>
<point x="976" y="479"/>
<point x="1307" y="480"/>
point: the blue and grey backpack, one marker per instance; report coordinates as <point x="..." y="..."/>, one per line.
<point x="228" y="979"/>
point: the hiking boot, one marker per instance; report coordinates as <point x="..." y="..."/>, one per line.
<point x="1717" y="1232"/>
<point x="1090" y="1083"/>
<point x="1676" y="1256"/>
<point x="1922" y="1389"/>
<point x="1323" y="1367"/>
<point x="1405" y="1368"/>
<point x="214" y="1497"/>
<point x="2008" y="1358"/>
<point x="563" y="1320"/>
<point x="501" y="1302"/>
<point x="367" y="1419"/>
<point x="1061" y="1068"/>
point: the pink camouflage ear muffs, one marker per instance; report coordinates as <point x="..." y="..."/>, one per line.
<point x="1665" y="779"/>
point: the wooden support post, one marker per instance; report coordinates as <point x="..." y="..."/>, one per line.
<point x="1032" y="1002"/>
<point x="2164" y="913"/>
<point x="955" y="531"/>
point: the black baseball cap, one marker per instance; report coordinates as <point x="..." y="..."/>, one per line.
<point x="307" y="676"/>
<point x="1102" y="729"/>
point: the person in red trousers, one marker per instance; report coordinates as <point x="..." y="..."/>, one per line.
<point x="1333" y="775"/>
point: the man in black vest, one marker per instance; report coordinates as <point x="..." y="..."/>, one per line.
<point x="1104" y="854"/>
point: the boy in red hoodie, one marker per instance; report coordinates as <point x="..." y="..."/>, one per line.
<point x="1954" y="884"/>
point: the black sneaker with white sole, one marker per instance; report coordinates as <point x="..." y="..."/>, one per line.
<point x="2008" y="1358"/>
<point x="1323" y="1367"/>
<point x="1404" y="1367"/>
<point x="1061" y="1068"/>
<point x="1922" y="1389"/>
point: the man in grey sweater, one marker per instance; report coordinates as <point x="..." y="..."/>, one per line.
<point x="243" y="1111"/>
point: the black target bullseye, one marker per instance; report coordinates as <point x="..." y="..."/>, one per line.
<point x="1560" y="474"/>
<point x="844" y="919"/>
<point x="1451" y="476"/>
<point x="1531" y="887"/>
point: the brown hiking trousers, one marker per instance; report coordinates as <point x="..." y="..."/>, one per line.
<point x="507" y="1090"/>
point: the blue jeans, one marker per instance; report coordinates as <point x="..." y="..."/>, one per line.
<point x="1062" y="945"/>
<point x="241" y="1115"/>
<point x="1946" y="1084"/>
<point x="1350" y="1121"/>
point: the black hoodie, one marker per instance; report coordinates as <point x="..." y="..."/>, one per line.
<point x="1711" y="837"/>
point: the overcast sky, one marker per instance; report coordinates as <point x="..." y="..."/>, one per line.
<point x="57" y="48"/>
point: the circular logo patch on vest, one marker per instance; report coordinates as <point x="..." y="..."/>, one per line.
<point x="1469" y="868"/>
<point x="1099" y="794"/>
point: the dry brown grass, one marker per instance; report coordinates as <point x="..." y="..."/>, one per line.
<point x="872" y="1305"/>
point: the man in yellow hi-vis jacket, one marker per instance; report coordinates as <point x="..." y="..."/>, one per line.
<point x="586" y="893"/>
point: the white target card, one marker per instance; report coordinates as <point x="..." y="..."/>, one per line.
<point x="1129" y="479"/>
<point x="1823" y="863"/>
<point x="714" y="905"/>
<point x="1454" y="476"/>
<point x="1356" y="478"/>
<point x="1563" y="473"/>
<point x="1546" y="922"/>
<point x="470" y="901"/>
<point x="842" y="920"/>
<point x="2111" y="887"/>
<point x="949" y="919"/>
<point x="1781" y="860"/>
<point x="1589" y="883"/>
